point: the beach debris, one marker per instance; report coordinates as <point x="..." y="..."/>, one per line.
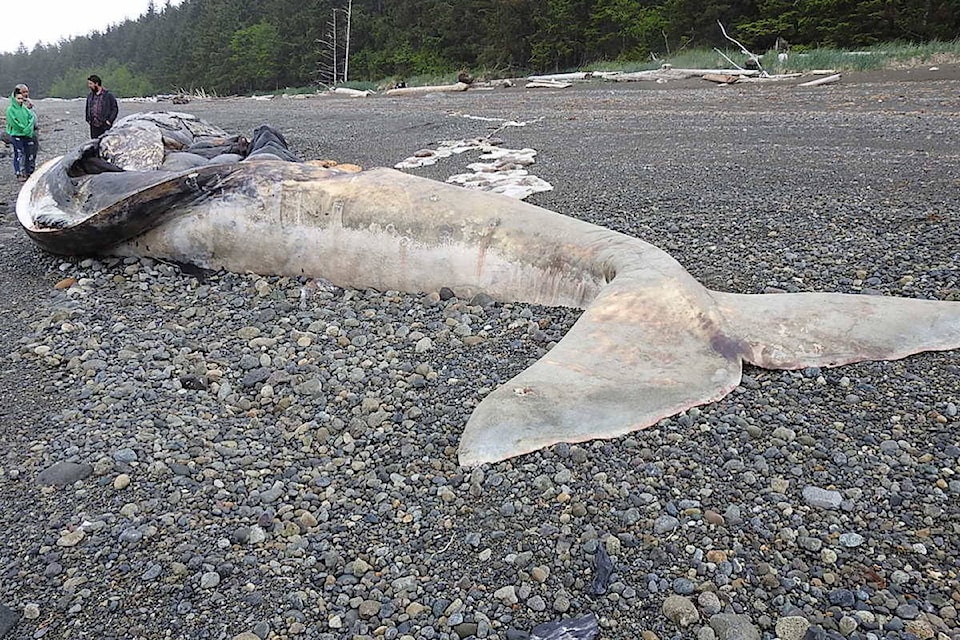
<point x="419" y="91"/>
<point x="583" y="628"/>
<point x="352" y="93"/>
<point x="821" y="81"/>
<point x="603" y="571"/>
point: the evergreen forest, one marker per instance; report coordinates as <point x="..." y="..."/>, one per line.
<point x="243" y="46"/>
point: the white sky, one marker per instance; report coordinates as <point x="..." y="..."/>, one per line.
<point x="48" y="21"/>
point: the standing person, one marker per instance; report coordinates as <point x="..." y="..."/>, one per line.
<point x="102" y="108"/>
<point x="25" y="92"/>
<point x="20" y="128"/>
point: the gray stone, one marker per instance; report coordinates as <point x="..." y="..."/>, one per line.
<point x="665" y="524"/>
<point x="64" y="473"/>
<point x="822" y="498"/>
<point x="507" y="594"/>
<point x="851" y="539"/>
<point x="908" y="611"/>
<point x="847" y="625"/>
<point x="680" y="610"/>
<point x="209" y="580"/>
<point x="683" y="586"/>
<point x="153" y="572"/>
<point x="8" y="620"/>
<point x="732" y="515"/>
<point x="792" y="627"/>
<point x="369" y="608"/>
<point x="709" y="603"/>
<point x="537" y="603"/>
<point x="126" y="455"/>
<point x="730" y="626"/>
<point x="255" y="376"/>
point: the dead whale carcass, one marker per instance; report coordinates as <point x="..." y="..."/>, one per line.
<point x="650" y="343"/>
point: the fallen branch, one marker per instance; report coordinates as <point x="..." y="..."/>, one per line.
<point x="751" y="56"/>
<point x="728" y="59"/>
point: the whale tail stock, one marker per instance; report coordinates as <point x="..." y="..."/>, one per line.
<point x="638" y="355"/>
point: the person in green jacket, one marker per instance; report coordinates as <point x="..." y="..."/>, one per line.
<point x="21" y="124"/>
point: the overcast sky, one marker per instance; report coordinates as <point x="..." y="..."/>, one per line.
<point x="50" y="20"/>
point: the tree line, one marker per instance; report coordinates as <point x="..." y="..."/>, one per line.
<point x="241" y="46"/>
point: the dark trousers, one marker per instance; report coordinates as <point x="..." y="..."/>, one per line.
<point x="24" y="155"/>
<point x="96" y="132"/>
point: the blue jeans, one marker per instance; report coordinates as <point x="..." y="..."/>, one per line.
<point x="24" y="155"/>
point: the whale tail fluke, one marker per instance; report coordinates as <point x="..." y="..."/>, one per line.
<point x="628" y="362"/>
<point x="796" y="330"/>
<point x="640" y="353"/>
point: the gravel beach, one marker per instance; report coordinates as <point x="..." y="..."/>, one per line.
<point x="220" y="455"/>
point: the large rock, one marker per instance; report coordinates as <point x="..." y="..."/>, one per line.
<point x="792" y="627"/>
<point x="822" y="498"/>
<point x="8" y="620"/>
<point x="64" y="473"/>
<point x="729" y="626"/>
<point x="680" y="610"/>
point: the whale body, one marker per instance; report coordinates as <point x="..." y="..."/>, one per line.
<point x="651" y="341"/>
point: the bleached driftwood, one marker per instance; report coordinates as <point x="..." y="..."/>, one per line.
<point x="750" y="55"/>
<point x="821" y="81"/>
<point x="662" y="75"/>
<point x="353" y="93"/>
<point x="727" y="58"/>
<point x="773" y="78"/>
<point x="416" y="91"/>
<point x="502" y="83"/>
<point x="547" y="84"/>
<point x="577" y="76"/>
<point x="720" y="78"/>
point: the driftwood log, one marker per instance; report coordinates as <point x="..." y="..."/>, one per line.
<point x="821" y="81"/>
<point x="547" y="84"/>
<point x="353" y="93"/>
<point x="668" y="73"/>
<point x="721" y="78"/>
<point x="417" y="91"/>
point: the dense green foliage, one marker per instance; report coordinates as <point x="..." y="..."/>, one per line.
<point x="240" y="46"/>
